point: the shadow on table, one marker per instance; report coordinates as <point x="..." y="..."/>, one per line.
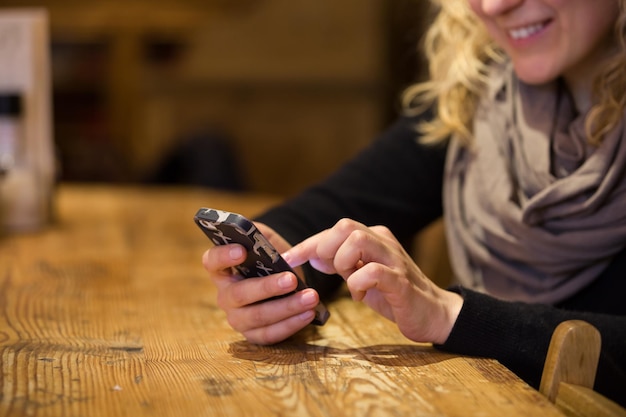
<point x="294" y="351"/>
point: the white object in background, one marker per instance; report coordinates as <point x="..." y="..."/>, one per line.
<point x="26" y="187"/>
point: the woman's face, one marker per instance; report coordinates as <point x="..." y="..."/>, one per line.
<point x="546" y="39"/>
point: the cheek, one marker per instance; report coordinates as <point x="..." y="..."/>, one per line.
<point x="592" y="28"/>
<point x="588" y="19"/>
<point x="475" y="6"/>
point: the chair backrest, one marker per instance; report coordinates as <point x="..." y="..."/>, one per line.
<point x="569" y="372"/>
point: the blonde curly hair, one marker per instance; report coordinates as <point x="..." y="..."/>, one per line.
<point x="459" y="52"/>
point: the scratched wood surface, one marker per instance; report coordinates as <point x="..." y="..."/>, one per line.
<point x="108" y="312"/>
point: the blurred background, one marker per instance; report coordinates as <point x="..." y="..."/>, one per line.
<point x="259" y="95"/>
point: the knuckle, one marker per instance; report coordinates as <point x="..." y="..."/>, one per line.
<point x="359" y="236"/>
<point x="376" y="269"/>
<point x="383" y="230"/>
<point x="208" y="260"/>
<point x="345" y="224"/>
<point x="235" y="296"/>
<point x="239" y="299"/>
<point x="216" y="259"/>
<point x="268" y="286"/>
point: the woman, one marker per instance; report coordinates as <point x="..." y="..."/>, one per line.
<point x="524" y="147"/>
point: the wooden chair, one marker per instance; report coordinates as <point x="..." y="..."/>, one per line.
<point x="570" y="371"/>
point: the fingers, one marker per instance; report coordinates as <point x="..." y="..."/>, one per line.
<point x="363" y="247"/>
<point x="275" y="320"/>
<point x="252" y="290"/>
<point x="344" y="248"/>
<point x="220" y="259"/>
<point x="309" y="250"/>
<point x="376" y="276"/>
<point x="246" y="304"/>
<point x="322" y="246"/>
<point x="422" y="311"/>
<point x="235" y="292"/>
<point x="377" y="269"/>
<point x="321" y="249"/>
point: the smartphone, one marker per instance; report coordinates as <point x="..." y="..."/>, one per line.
<point x="224" y="227"/>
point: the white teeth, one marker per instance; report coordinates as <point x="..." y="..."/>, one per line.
<point x="525" y="32"/>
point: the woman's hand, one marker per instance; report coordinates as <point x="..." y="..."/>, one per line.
<point x="267" y="322"/>
<point x="379" y="272"/>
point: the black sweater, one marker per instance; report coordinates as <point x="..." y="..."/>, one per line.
<point x="398" y="183"/>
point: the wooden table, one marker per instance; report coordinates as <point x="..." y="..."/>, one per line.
<point x="108" y="312"/>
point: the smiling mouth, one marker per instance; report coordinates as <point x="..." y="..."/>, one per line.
<point x="526" y="31"/>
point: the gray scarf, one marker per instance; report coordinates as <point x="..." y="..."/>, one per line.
<point x="532" y="211"/>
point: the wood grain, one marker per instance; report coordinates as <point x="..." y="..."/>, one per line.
<point x="572" y="357"/>
<point x="108" y="312"/>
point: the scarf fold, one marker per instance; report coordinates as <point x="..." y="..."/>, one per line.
<point x="532" y="211"/>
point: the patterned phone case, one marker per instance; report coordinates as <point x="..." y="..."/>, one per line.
<point x="223" y="227"/>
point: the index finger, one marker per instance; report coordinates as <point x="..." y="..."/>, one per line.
<point x="320" y="249"/>
<point x="313" y="250"/>
<point x="303" y="251"/>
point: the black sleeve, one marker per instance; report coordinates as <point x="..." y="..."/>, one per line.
<point x="394" y="182"/>
<point x="518" y="335"/>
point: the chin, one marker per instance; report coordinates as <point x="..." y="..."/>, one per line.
<point x="535" y="75"/>
<point x="536" y="79"/>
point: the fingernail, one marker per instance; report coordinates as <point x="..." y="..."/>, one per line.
<point x="285" y="281"/>
<point x="236" y="252"/>
<point x="308" y="298"/>
<point x="307" y="315"/>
